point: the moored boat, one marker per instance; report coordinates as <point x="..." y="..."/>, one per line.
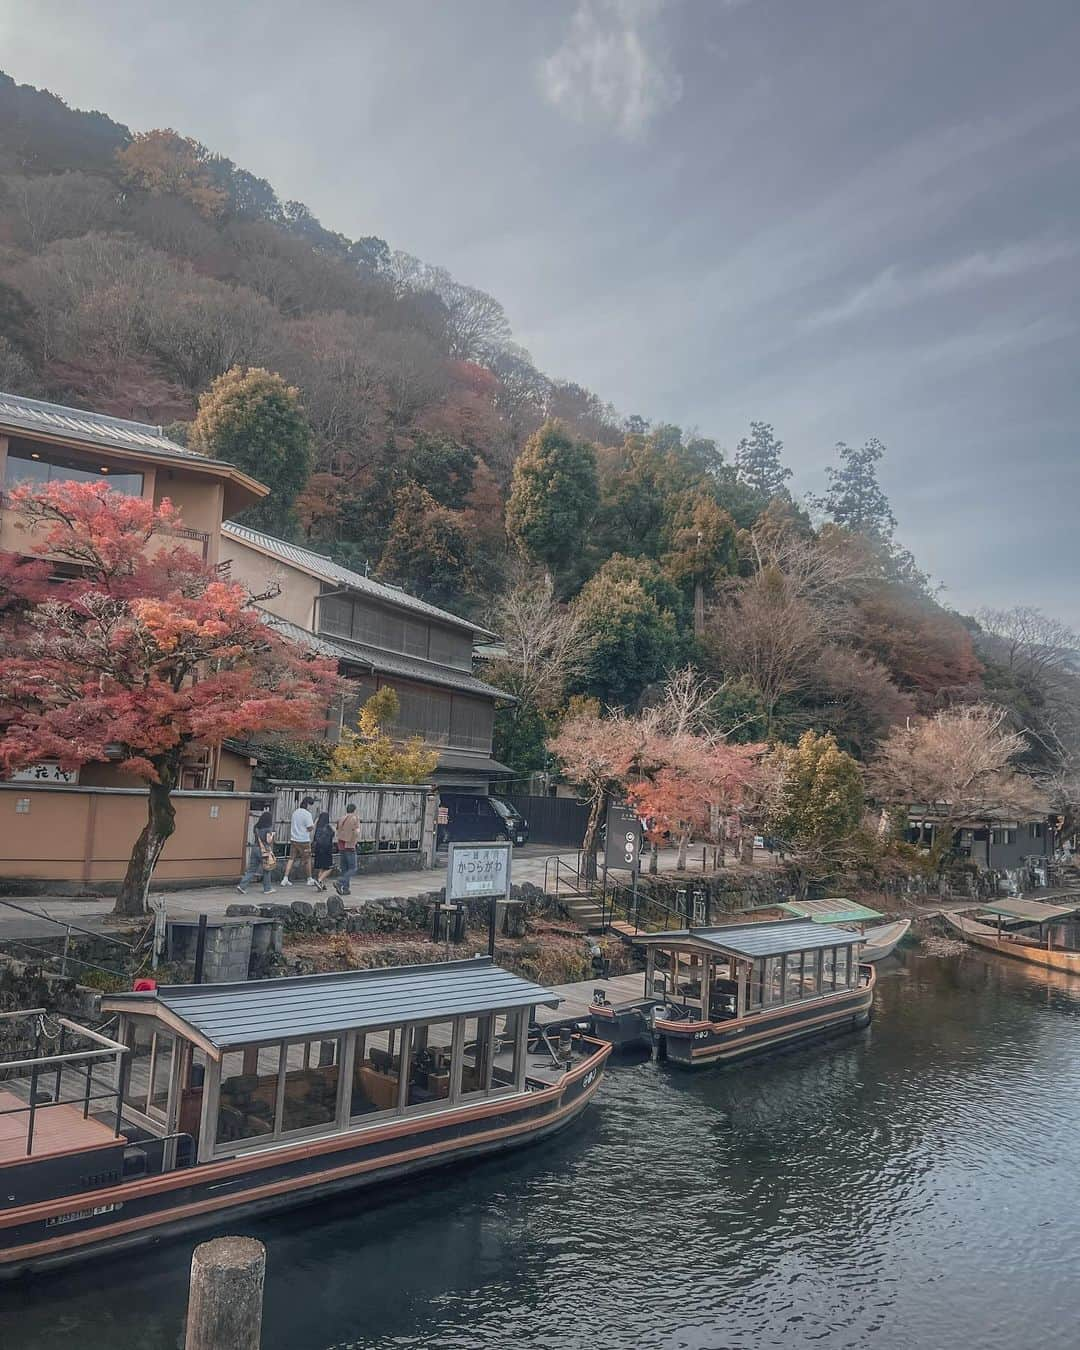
<point x="882" y="941"/>
<point x="751" y="988"/>
<point x="878" y="942"/>
<point x="216" y="1102"/>
<point x="1038" y="948"/>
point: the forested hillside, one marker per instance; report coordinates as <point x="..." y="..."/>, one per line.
<point x="409" y="434"/>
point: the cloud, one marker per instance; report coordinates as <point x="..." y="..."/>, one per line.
<point x="613" y="66"/>
<point x="894" y="288"/>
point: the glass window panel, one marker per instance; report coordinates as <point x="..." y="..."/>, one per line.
<point x="376" y="1072"/>
<point x="335" y="616"/>
<point x="476" y="1055"/>
<point x="140" y="1039"/>
<point x="792" y="976"/>
<point x="20" y="469"/>
<point x="164" y="1049"/>
<point x="506" y="1065"/>
<point x="828" y="966"/>
<point x="841" y="967"/>
<point x="40" y="467"/>
<point x="757" y="983"/>
<point x="430" y="1050"/>
<point x="248" y="1096"/>
<point x="810" y="987"/>
<point x="311" y="1084"/>
<point x="774" y="979"/>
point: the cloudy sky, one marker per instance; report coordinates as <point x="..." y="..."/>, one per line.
<point x="851" y="218"/>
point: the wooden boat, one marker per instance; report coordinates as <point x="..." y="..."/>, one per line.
<point x="882" y="941"/>
<point x="746" y="989"/>
<point x="1035" y="949"/>
<point x="223" y="1101"/>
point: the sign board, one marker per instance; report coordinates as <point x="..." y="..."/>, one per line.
<point x="622" y="850"/>
<point x="478" y="871"/>
<point x="46" y="772"/>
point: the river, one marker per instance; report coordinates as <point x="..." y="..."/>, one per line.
<point x="914" y="1185"/>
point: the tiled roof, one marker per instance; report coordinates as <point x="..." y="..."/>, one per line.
<point x="386" y="663"/>
<point x="29" y="414"/>
<point x="317" y="565"/>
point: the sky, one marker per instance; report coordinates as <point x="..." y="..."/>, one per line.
<point x="850" y="218"/>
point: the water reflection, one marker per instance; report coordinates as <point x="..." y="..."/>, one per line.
<point x="905" y="1186"/>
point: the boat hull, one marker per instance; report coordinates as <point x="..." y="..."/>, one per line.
<point x="701" y="1044"/>
<point x="109" y="1219"/>
<point x="981" y="935"/>
<point x="882" y="942"/>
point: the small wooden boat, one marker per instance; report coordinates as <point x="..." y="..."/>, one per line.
<point x="222" y="1101"/>
<point x="746" y="989"/>
<point x="882" y="941"/>
<point x="1036" y="949"/>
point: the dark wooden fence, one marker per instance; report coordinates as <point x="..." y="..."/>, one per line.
<point x="552" y="820"/>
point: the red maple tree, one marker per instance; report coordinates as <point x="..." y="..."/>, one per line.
<point x="137" y="655"/>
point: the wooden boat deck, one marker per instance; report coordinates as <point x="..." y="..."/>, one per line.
<point x="57" y="1129"/>
<point x="577" y="998"/>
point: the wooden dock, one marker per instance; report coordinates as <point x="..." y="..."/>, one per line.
<point x="577" y="998"/>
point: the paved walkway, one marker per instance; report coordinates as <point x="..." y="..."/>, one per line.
<point x="32" y="918"/>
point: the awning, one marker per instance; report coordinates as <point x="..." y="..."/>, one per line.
<point x="831" y="911"/>
<point x="1030" y="911"/>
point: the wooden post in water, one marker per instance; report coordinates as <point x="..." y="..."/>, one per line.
<point x="226" y="1294"/>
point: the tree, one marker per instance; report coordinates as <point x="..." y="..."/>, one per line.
<point x="758" y="463"/>
<point x="926" y="650"/>
<point x="141" y="658"/>
<point x="545" y="643"/>
<point x="630" y="612"/>
<point x="598" y="754"/>
<point x="164" y="163"/>
<point x="702" y="547"/>
<point x="553" y="497"/>
<point x="855" y="499"/>
<point x="254" y="420"/>
<point x="428" y="549"/>
<point x="370" y="755"/>
<point x="814" y="804"/>
<point x="956" y="766"/>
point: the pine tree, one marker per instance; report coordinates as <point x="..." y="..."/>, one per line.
<point x="757" y="460"/>
<point x="855" y="499"/>
<point x="553" y="497"/>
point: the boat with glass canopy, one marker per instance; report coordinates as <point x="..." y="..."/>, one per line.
<point x="211" y="1102"/>
<point x="726" y="993"/>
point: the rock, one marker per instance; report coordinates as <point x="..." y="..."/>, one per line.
<point x="240" y="911"/>
<point x="320" y="909"/>
<point x="302" y="908"/>
<point x="335" y="907"/>
<point x="276" y="911"/>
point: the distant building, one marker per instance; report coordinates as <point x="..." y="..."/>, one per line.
<point x="992" y="842"/>
<point x="379" y="635"/>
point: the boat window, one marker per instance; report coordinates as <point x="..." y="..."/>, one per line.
<point x="310" y="1088"/>
<point x="508" y="1068"/>
<point x="140" y="1040"/>
<point x="810" y="986"/>
<point x="430" y="1049"/>
<point x="247" y="1098"/>
<point x="376" y="1071"/>
<point x="792" y="976"/>
<point x="842" y="966"/>
<point x="476" y="1055"/>
<point x="161" y="1073"/>
<point x="757" y="983"/>
<point x="828" y="968"/>
<point x="774" y="979"/>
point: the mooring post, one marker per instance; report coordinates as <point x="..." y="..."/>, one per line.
<point x="226" y="1295"/>
<point x="200" y="949"/>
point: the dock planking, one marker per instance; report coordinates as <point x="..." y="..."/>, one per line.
<point x="577" y="998"/>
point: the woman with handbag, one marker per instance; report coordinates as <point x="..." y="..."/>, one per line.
<point x="261" y="859"/>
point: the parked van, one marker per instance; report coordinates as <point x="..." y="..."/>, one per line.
<point x="471" y="816"/>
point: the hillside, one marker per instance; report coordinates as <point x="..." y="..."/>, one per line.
<point x="137" y="268"/>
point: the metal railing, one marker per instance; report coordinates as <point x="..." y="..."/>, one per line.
<point x="67" y="957"/>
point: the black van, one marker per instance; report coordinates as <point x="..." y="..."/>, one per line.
<point x="470" y="816"/>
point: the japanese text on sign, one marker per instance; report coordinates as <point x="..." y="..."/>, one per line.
<point x="478" y="870"/>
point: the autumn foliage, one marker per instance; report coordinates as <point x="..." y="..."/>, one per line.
<point x="138" y="657"/>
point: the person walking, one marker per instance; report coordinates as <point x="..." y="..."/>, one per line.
<point x="261" y="860"/>
<point x="348" y="833"/>
<point x="301" y="828"/>
<point x="323" y="845"/>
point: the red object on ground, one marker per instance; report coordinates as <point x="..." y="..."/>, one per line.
<point x="142" y="986"/>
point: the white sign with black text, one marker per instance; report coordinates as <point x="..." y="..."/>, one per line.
<point x="475" y="871"/>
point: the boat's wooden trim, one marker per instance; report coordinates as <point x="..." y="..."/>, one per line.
<point x="328" y="1144"/>
<point x="775" y="1035"/>
<point x="982" y="935"/>
<point x="308" y="1181"/>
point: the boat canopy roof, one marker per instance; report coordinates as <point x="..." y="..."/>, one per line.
<point x="219" y="1016"/>
<point x="831" y="911"/>
<point x="771" y="938"/>
<point x="1029" y="911"/>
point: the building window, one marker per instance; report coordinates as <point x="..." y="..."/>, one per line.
<point x="40" y="467"/>
<point x="1003" y="836"/>
<point x="471" y="723"/>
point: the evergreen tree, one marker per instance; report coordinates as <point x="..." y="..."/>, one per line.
<point x="428" y="549"/>
<point x="553" y="497"/>
<point x="253" y="419"/>
<point x="855" y="499"/>
<point x="757" y="460"/>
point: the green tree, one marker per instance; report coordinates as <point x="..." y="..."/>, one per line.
<point x="631" y="612"/>
<point x="702" y="546"/>
<point x="429" y="550"/>
<point x="370" y="755"/>
<point x="855" y="499"/>
<point x="758" y="463"/>
<point x="553" y="497"/>
<point x="814" y="804"/>
<point x="253" y="419"/>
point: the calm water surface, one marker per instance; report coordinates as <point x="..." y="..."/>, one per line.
<point x="914" y="1186"/>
